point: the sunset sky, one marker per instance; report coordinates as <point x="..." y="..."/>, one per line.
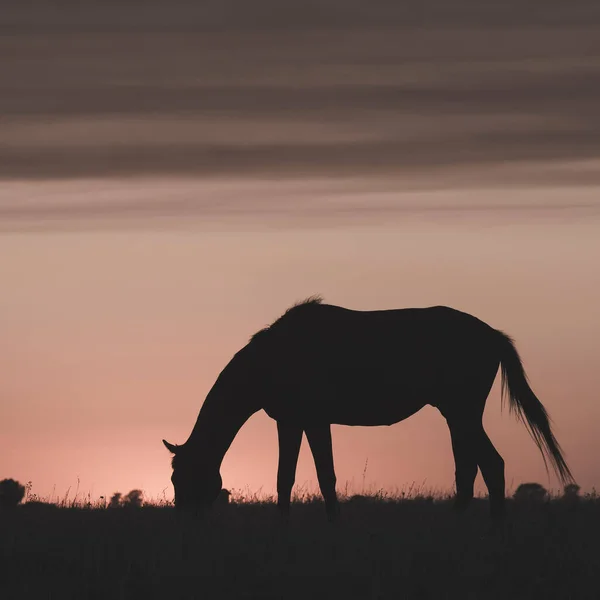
<point x="172" y="180"/>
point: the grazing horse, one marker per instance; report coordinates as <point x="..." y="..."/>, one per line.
<point x="320" y="364"/>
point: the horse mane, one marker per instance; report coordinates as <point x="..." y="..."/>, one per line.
<point x="310" y="301"/>
<point x="184" y="454"/>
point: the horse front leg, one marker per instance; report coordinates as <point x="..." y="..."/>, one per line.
<point x="319" y="439"/>
<point x="290" y="438"/>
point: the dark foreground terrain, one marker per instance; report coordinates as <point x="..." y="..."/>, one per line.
<point x="413" y="548"/>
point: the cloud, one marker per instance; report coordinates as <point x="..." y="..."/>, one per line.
<point x="418" y="96"/>
<point x="286" y="15"/>
<point x="231" y="205"/>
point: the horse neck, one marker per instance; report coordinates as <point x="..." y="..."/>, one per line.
<point x="221" y="417"/>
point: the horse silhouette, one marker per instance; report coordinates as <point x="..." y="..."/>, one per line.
<point x="320" y="364"/>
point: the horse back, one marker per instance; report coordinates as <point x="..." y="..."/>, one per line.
<point x="366" y="367"/>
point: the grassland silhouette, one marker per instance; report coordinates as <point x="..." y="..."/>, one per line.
<point x="319" y="365"/>
<point x="409" y="544"/>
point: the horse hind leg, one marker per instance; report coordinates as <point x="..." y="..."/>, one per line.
<point x="472" y="448"/>
<point x="464" y="448"/>
<point x="492" y="468"/>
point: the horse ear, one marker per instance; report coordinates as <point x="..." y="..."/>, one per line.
<point x="170" y="447"/>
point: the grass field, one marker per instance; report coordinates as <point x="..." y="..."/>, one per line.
<point x="413" y="547"/>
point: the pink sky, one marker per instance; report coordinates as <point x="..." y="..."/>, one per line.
<point x="111" y="339"/>
<point x="172" y="180"/>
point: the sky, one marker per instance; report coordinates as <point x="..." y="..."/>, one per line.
<point x="173" y="178"/>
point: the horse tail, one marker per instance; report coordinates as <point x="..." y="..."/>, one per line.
<point x="529" y="409"/>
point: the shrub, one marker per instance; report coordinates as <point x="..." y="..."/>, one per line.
<point x="359" y="499"/>
<point x="570" y="495"/>
<point x="571" y="491"/>
<point x="134" y="499"/>
<point x="115" y="500"/>
<point x="223" y="498"/>
<point x="11" y="493"/>
<point x="531" y="492"/>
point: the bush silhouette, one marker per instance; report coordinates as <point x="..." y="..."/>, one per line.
<point x="359" y="499"/>
<point x="570" y="495"/>
<point x="531" y="492"/>
<point x="571" y="491"/>
<point x="115" y="500"/>
<point x="11" y="493"/>
<point x="223" y="498"/>
<point x="134" y="499"/>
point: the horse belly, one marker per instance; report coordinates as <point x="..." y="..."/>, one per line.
<point x="373" y="405"/>
<point x="352" y="384"/>
<point x="352" y="399"/>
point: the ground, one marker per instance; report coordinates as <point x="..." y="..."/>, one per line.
<point x="381" y="548"/>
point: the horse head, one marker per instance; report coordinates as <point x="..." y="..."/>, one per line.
<point x="196" y="485"/>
